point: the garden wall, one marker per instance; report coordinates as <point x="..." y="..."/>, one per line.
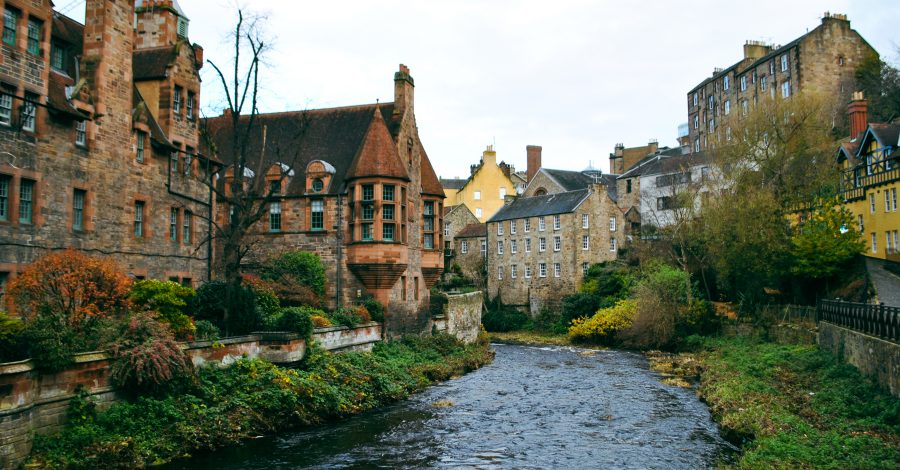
<point x="462" y="316"/>
<point x="31" y="402"/>
<point x="873" y="357"/>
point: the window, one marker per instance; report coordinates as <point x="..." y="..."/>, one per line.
<point x="696" y="149"/>
<point x="429" y="241"/>
<point x="189" y="110"/>
<point x="513" y="271"/>
<point x="696" y="121"/>
<point x="527" y="271"/>
<point x="10" y="19"/>
<point x="557" y="243"/>
<point x="859" y="221"/>
<point x="542" y="244"/>
<point x="585" y="267"/>
<point x="416" y="287"/>
<point x="527" y="225"/>
<point x="428" y="218"/>
<point x="513" y="246"/>
<point x="762" y="83"/>
<point x="368" y="212"/>
<point x="710" y="102"/>
<point x="81" y="133"/>
<point x="317" y="215"/>
<point x="499" y="247"/>
<point x="628" y="186"/>
<point x="173" y="163"/>
<point x="367" y="232"/>
<point x="57" y="56"/>
<point x="512" y="227"/>
<point x="6" y="105"/>
<point x="527" y="245"/>
<point x="500" y="228"/>
<point x="464" y="247"/>
<point x="478" y="212"/>
<point x="888" y="246"/>
<point x="557" y="271"/>
<point x="786" y="89"/>
<point x="141" y="136"/>
<point x="612" y="224"/>
<point x="743" y="83"/>
<point x="542" y="269"/>
<point x="541" y="225"/>
<point x="483" y="248"/>
<point x="784" y="63"/>
<point x="477" y="195"/>
<point x="139" y="219"/>
<point x="4" y="197"/>
<point x="446" y="227"/>
<point x="176" y="101"/>
<point x="275" y="217"/>
<point x="78" y="209"/>
<point x="173" y="224"/>
<point x="403" y="288"/>
<point x="728" y="134"/>
<point x="182" y="26"/>
<point x="188" y="158"/>
<point x="712" y="125"/>
<point x="612" y="244"/>
<point x="368" y="192"/>
<point x="673" y="178"/>
<point x="874" y="243"/>
<point x="502" y="193"/>
<point x="896" y="239"/>
<point x="695" y="99"/>
<point x="34" y="36"/>
<point x="500" y="272"/>
<point x="585" y="219"/>
<point x="871" y="203"/>
<point x="772" y="67"/>
<point x="725" y="82"/>
<point x="894" y="199"/>
<point x="745" y="107"/>
<point x="887" y="201"/>
<point x="26" y="201"/>
<point x="727" y="107"/>
<point x="666" y="203"/>
<point x="28" y="112"/>
<point x="186" y="226"/>
<point x="387" y="232"/>
<point x="585" y="242"/>
<point x="556" y="224"/>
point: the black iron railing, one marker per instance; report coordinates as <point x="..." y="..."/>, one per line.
<point x="872" y="319"/>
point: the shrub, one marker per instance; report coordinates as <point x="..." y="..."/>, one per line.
<point x="605" y="324"/>
<point x="297" y="320"/>
<point x="73" y="284"/>
<point x="503" y="318"/>
<point x="302" y="267"/>
<point x="375" y="309"/>
<point x="12" y="339"/>
<point x="169" y="300"/>
<point x="346" y="317"/>
<point x="266" y="303"/>
<point x="206" y="331"/>
<point x="320" y="321"/>
<point x="214" y="297"/>
<point x="146" y="358"/>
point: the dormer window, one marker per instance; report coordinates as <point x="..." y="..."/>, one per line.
<point x="182" y="27"/>
<point x="317" y="185"/>
<point x="57" y="56"/>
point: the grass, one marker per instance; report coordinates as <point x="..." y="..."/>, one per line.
<point x="252" y="398"/>
<point x="530" y="338"/>
<point x="794" y="406"/>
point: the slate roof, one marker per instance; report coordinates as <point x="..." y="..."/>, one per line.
<point x="887" y="134"/>
<point x="472" y="231"/>
<point x="536" y="206"/>
<point x="569" y="180"/>
<point x="430" y="183"/>
<point x="151" y="64"/>
<point x="453" y="183"/>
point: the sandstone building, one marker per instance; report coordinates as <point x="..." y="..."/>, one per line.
<point x="486" y="189"/>
<point x="824" y="59"/>
<point x="99" y="138"/>
<point x="360" y="192"/>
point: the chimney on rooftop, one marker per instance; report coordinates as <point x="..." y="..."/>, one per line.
<point x="533" y="153"/>
<point x="756" y="49"/>
<point x="653" y="146"/>
<point x="858" y="111"/>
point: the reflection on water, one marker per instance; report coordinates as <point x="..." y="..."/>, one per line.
<point x="547" y="407"/>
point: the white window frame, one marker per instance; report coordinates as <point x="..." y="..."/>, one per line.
<point x="887" y="201"/>
<point x="743" y="83"/>
<point x="502" y="193"/>
<point x="274" y="215"/>
<point x="464" y="247"/>
<point x="477" y="195"/>
<point x="871" y="203"/>
<point x="725" y="83"/>
<point x="478" y="212"/>
<point x="527" y="245"/>
<point x="784" y="62"/>
<point x="513" y="246"/>
<point x="727" y="107"/>
<point x="612" y="224"/>
<point x="786" y="89"/>
<point x="557" y="224"/>
<point x="173" y="224"/>
<point x="542" y="245"/>
<point x="585" y="220"/>
<point x="613" y="244"/>
<point x="557" y="270"/>
<point x="512" y="227"/>
<point x="81" y="133"/>
<point x="859" y="221"/>
<point x="585" y="242"/>
<point x="513" y="271"/>
<point x="542" y="225"/>
<point x="585" y="267"/>
<point x="542" y="269"/>
<point x="499" y="228"/>
<point x="527" y="271"/>
<point x="500" y="272"/>
<point x="499" y="247"/>
<point x="557" y="243"/>
<point x="176" y="101"/>
<point x="527" y="225"/>
<point x="29" y="112"/>
<point x="483" y="248"/>
<point x="874" y="243"/>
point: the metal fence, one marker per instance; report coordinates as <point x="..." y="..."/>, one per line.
<point x="872" y="319"/>
<point x="789" y="313"/>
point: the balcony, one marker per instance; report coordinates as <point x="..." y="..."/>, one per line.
<point x="853" y="187"/>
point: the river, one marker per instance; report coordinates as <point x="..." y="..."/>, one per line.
<point x="533" y="407"/>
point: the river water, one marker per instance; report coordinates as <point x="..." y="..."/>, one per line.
<point x="533" y="407"/>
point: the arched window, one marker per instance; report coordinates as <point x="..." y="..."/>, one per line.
<point x="317" y="185"/>
<point x="540" y="192"/>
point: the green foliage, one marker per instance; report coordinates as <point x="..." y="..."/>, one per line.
<point x="52" y="340"/>
<point x="169" y="300"/>
<point x="297" y="320"/>
<point x="252" y="398"/>
<point x="302" y="267"/>
<point x="267" y="306"/>
<point x="350" y="316"/>
<point x="826" y="242"/>
<point x="215" y="297"/>
<point x="798" y="407"/>
<point x="375" y="308"/>
<point x="880" y="84"/>
<point x="604" y="285"/>
<point x="206" y="331"/>
<point x="12" y="339"/>
<point x="146" y="358"/>
<point x="501" y="317"/>
<point x="603" y="326"/>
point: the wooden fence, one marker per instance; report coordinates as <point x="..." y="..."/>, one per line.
<point x="872" y="319"/>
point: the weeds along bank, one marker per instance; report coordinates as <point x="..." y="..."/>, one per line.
<point x="252" y="398"/>
<point x="794" y="406"/>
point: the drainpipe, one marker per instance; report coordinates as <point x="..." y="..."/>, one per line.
<point x="340" y="251"/>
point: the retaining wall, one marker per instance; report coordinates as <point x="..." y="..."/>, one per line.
<point x="31" y="402"/>
<point x="873" y="357"/>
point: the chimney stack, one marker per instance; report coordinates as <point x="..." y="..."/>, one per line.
<point x="533" y="153"/>
<point x="653" y="146"/>
<point x="858" y="110"/>
<point x="403" y="90"/>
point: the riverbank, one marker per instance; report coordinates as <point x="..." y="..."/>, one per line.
<point x="792" y="406"/>
<point x="529" y="338"/>
<point x="252" y="398"/>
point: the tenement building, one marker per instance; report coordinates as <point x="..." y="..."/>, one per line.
<point x="824" y="59"/>
<point x="486" y="189"/>
<point x="98" y="138"/>
<point x="470" y="252"/>
<point x="540" y="247"/>
<point x="359" y="191"/>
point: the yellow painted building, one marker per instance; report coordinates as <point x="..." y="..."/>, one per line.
<point x="485" y="190"/>
<point x="870" y="187"/>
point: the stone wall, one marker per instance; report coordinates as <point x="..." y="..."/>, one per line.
<point x="31" y="402"/>
<point x="463" y="315"/>
<point x="873" y="357"/>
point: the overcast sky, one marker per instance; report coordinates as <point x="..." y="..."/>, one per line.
<point x="575" y="77"/>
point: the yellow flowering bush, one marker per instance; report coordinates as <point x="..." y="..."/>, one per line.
<point x="602" y="326"/>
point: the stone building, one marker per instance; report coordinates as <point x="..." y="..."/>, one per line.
<point x="622" y="159"/>
<point x="98" y="138"/>
<point x="470" y="252"/>
<point x="486" y="189"/>
<point x="360" y="192"/>
<point x="673" y="188"/>
<point x="824" y="59"/>
<point x="456" y="218"/>
<point x="539" y="248"/>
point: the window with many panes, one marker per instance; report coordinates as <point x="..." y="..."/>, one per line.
<point x="612" y="244"/>
<point x="542" y="269"/>
<point x="34" y="36"/>
<point x="557" y="270"/>
<point x="188" y="159"/>
<point x="499" y="248"/>
<point x="542" y="244"/>
<point x="317" y="215"/>
<point x="585" y="219"/>
<point x="763" y="82"/>
<point x="6" y="106"/>
<point x="527" y="225"/>
<point x="186" y="226"/>
<point x="4" y="197"/>
<point x="81" y="133"/>
<point x="784" y="63"/>
<point x="513" y="246"/>
<point x="29" y="107"/>
<point x="139" y="219"/>
<point x="612" y="224"/>
<point x="57" y="56"/>
<point x="512" y="227"/>
<point x="176" y="101"/>
<point x="173" y="224"/>
<point x="585" y="242"/>
<point x="744" y="83"/>
<point x="556" y="222"/>
<point x="585" y="267"/>
<point x="428" y="220"/>
<point x="527" y="271"/>
<point x="557" y="243"/>
<point x="26" y="201"/>
<point x="275" y="216"/>
<point x="10" y="21"/>
<point x="527" y="245"/>
<point x="189" y="105"/>
<point x="786" y="89"/>
<point x="500" y="228"/>
<point x="141" y="137"/>
<point x="483" y="248"/>
<point x="500" y="272"/>
<point x="513" y="271"/>
<point x="541" y="225"/>
<point x="464" y="247"/>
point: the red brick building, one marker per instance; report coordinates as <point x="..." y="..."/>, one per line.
<point x="359" y="191"/>
<point x="98" y="138"/>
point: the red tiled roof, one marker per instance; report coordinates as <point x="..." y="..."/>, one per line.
<point x="377" y="156"/>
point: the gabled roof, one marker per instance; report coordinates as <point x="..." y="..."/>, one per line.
<point x="56" y="95"/>
<point x="377" y="156"/>
<point x="674" y="163"/>
<point x="430" y="183"/>
<point x="453" y="183"/>
<point x="472" y="231"/>
<point x="152" y="64"/>
<point x="536" y="206"/>
<point x="139" y="105"/>
<point x="885" y="134"/>
<point x="569" y="180"/>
